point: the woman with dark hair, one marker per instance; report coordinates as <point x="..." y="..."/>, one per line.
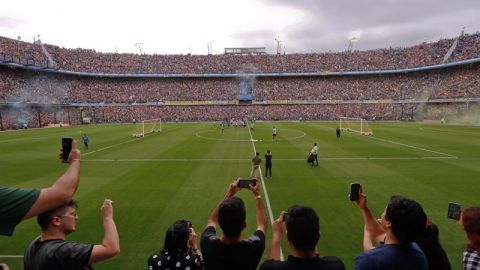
<point x="179" y="250"/>
<point x="470" y="220"/>
<point x="429" y="242"/>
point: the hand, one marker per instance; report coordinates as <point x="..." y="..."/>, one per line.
<point x="362" y="199"/>
<point x="232" y="189"/>
<point x="255" y="189"/>
<point x="74" y="154"/>
<point x="277" y="225"/>
<point x="192" y="242"/>
<point x="107" y="208"/>
<point x="4" y="266"/>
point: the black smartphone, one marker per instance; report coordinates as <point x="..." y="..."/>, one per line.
<point x="284" y="216"/>
<point x="66" y="147"/>
<point x="354" y="192"/>
<point x="244" y="183"/>
<point x="454" y="210"/>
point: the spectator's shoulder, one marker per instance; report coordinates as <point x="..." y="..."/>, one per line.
<point x="334" y="263"/>
<point x="208" y="233"/>
<point x="272" y="264"/>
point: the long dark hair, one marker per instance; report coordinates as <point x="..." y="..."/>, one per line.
<point x="176" y="237"/>
<point x="429" y="242"/>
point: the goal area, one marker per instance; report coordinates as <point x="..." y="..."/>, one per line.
<point x="146" y="127"/>
<point x="358" y="125"/>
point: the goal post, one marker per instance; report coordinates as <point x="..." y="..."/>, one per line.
<point x="146" y="127"/>
<point x="358" y="125"/>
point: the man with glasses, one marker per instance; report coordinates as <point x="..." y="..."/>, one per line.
<point x="50" y="251"/>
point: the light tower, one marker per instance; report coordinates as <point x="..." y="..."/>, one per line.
<point x="279" y="45"/>
<point x="140" y="47"/>
<point x="353" y="38"/>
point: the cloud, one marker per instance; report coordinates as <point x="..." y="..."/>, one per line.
<point x="8" y="22"/>
<point x="328" y="23"/>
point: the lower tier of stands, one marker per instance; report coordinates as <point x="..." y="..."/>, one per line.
<point x="34" y="116"/>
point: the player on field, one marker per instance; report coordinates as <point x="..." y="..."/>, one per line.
<point x="274" y="133"/>
<point x="85" y="140"/>
<point x="338" y="132"/>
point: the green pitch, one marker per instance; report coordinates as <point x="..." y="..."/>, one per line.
<point x="183" y="171"/>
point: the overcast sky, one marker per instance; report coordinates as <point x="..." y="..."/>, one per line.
<point x="183" y="26"/>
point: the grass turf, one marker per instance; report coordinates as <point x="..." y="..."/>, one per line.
<point x="183" y="172"/>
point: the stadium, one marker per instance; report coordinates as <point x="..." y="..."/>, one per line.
<point x="420" y="106"/>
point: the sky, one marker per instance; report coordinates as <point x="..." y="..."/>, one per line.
<point x="192" y="26"/>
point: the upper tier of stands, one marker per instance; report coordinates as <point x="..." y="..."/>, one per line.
<point x="83" y="60"/>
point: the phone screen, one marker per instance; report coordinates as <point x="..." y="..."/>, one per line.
<point x="454" y="210"/>
<point x="66" y="147"/>
<point x="354" y="192"/>
<point x="242" y="183"/>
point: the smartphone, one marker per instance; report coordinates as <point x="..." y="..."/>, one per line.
<point x="66" y="147"/>
<point x="354" y="192"/>
<point x="454" y="210"/>
<point x="244" y="183"/>
<point x="284" y="216"/>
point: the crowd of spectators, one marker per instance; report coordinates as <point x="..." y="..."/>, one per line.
<point x="41" y="116"/>
<point x="26" y="86"/>
<point x="85" y="60"/>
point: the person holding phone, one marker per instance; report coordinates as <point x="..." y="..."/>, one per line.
<point x="303" y="233"/>
<point x="180" y="249"/>
<point x="230" y="251"/>
<point x="470" y="221"/>
<point x="402" y="222"/>
<point x="17" y="204"/>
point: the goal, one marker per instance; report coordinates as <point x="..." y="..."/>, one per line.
<point x="358" y="125"/>
<point x="146" y="127"/>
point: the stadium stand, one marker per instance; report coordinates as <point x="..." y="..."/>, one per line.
<point x="65" y="85"/>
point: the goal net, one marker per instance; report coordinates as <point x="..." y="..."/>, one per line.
<point x="147" y="126"/>
<point x="358" y="125"/>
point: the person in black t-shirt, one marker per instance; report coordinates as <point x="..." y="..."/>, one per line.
<point x="229" y="251"/>
<point x="268" y="164"/>
<point x="303" y="233"/>
<point x="338" y="132"/>
<point x="50" y="251"/>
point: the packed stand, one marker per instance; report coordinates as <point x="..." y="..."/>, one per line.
<point x="85" y="60"/>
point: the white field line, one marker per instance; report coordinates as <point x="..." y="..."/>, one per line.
<point x="452" y="131"/>
<point x="108" y="147"/>
<point x="411" y="146"/>
<point x="277" y="159"/>
<point x="11" y="256"/>
<point x="267" y="200"/>
<point x="114" y="145"/>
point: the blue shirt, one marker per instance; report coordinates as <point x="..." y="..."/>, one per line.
<point x="85" y="139"/>
<point x="393" y="257"/>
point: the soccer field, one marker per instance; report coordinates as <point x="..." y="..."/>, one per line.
<point x="183" y="171"/>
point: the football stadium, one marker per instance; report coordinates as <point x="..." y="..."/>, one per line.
<point x="167" y="135"/>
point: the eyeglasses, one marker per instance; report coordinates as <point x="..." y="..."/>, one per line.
<point x="72" y="214"/>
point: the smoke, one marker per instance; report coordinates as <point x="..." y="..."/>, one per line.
<point x="468" y="115"/>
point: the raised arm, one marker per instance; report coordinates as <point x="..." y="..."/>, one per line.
<point x="277" y="228"/>
<point x="62" y="190"/>
<point x="259" y="209"/>
<point x="110" y="246"/>
<point x="371" y="224"/>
